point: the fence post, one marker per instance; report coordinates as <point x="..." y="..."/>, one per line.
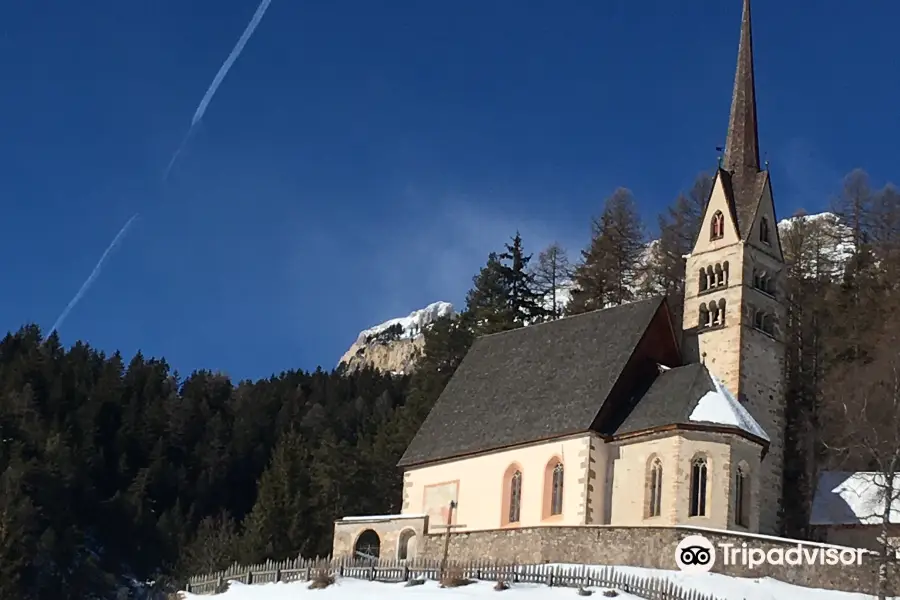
<point x="405" y="572"/>
<point x="249" y="577"/>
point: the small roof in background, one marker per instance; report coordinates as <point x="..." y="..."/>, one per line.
<point x="853" y="498"/>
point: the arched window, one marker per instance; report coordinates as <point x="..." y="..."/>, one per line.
<point x="698" y="487"/>
<point x="720" y="276"/>
<point x="515" y="497"/>
<point x="758" y="318"/>
<point x="764" y="231"/>
<point x="717" y="226"/>
<point x="742" y="497"/>
<point x="654" y="488"/>
<point x="722" y="311"/>
<point x="556" y="490"/>
<point x="715" y="317"/>
<point x="704" y="316"/>
<point x="768" y="324"/>
<point x="704" y="280"/>
<point x="725" y="271"/>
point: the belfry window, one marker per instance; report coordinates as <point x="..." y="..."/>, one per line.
<point x="764" y="231"/>
<point x="717" y="226"/>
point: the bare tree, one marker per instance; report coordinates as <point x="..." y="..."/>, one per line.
<point x="861" y="429"/>
<point x="551" y="273"/>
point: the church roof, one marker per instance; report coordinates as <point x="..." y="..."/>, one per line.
<point x="533" y="383"/>
<point x="854" y="498"/>
<point x="688" y="394"/>
<point x="741" y="172"/>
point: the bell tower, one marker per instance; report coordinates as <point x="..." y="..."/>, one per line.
<point x="733" y="305"/>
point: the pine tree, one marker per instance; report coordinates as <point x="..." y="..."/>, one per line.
<point x="487" y="303"/>
<point x="523" y="301"/>
<point x="551" y="275"/>
<point x="612" y="266"/>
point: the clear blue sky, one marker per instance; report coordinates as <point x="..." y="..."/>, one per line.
<point x="361" y="158"/>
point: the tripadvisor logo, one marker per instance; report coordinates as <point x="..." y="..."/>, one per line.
<point x="696" y="554"/>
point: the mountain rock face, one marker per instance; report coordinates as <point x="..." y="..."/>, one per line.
<point x="395" y="345"/>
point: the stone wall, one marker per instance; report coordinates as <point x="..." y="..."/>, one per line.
<point x="652" y="547"/>
<point x="389" y="530"/>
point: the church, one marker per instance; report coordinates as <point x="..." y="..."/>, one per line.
<point x="622" y="416"/>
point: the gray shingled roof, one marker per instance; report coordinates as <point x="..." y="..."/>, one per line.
<point x="532" y="383"/>
<point x="670" y="399"/>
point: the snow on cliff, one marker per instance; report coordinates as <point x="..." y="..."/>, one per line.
<point x="395" y="345"/>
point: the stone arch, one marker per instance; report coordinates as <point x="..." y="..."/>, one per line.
<point x="704" y="316"/>
<point x="367" y="545"/>
<point x="406" y="545"/>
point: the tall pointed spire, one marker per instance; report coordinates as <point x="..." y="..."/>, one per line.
<point x="742" y="144"/>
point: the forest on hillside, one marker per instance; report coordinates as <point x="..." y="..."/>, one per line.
<point x="116" y="468"/>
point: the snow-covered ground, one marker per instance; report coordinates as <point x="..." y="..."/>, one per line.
<point x="721" y="587"/>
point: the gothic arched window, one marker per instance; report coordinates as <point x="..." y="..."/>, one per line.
<point x="698" y="487"/>
<point x="717" y="226"/>
<point x="654" y="488"/>
<point x="515" y="497"/>
<point x="742" y="497"/>
<point x="556" y="490"/>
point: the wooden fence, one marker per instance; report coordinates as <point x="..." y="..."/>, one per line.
<point x="582" y="576"/>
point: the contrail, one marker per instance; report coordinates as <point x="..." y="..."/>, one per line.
<point x="217" y="80"/>
<point x="90" y="280"/>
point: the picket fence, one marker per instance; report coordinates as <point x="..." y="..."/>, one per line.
<point x="582" y="576"/>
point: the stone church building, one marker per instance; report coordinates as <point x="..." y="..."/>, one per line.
<point x="621" y="417"/>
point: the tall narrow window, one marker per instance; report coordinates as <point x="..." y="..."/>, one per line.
<point x="698" y="487"/>
<point x="720" y="276"/>
<point x="717" y="226"/>
<point x="704" y="280"/>
<point x="515" y="497"/>
<point x="556" y="492"/>
<point x="741" y="498"/>
<point x="704" y="316"/>
<point x="654" y="489"/>
<point x="716" y="317"/>
<point x="764" y="231"/>
<point x="722" y="311"/>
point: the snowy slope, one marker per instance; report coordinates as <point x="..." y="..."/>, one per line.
<point x="412" y="325"/>
<point x="720" y="586"/>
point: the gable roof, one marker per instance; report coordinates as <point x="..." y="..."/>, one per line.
<point x="533" y="383"/>
<point x="688" y="394"/>
<point x="853" y="498"/>
<point x="744" y="191"/>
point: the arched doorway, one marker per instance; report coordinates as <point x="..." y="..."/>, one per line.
<point x="406" y="545"/>
<point x="368" y="545"/>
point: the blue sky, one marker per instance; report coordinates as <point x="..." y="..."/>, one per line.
<point x="362" y="158"/>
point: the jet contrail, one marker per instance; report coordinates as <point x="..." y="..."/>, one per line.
<point x="92" y="277"/>
<point x="223" y="70"/>
<point x="217" y="80"/>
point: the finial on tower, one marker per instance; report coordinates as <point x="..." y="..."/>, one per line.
<point x="742" y="144"/>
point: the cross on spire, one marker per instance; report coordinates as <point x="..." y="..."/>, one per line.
<point x="742" y="143"/>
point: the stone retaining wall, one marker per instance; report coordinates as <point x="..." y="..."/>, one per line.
<point x="652" y="547"/>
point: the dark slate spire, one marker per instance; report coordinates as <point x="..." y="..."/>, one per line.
<point x="742" y="145"/>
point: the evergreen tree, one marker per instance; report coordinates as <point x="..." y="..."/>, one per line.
<point x="487" y="303"/>
<point x="524" y="303"/>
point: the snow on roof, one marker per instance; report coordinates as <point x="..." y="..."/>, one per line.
<point x="413" y="324"/>
<point x="853" y="498"/>
<point x="722" y="408"/>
